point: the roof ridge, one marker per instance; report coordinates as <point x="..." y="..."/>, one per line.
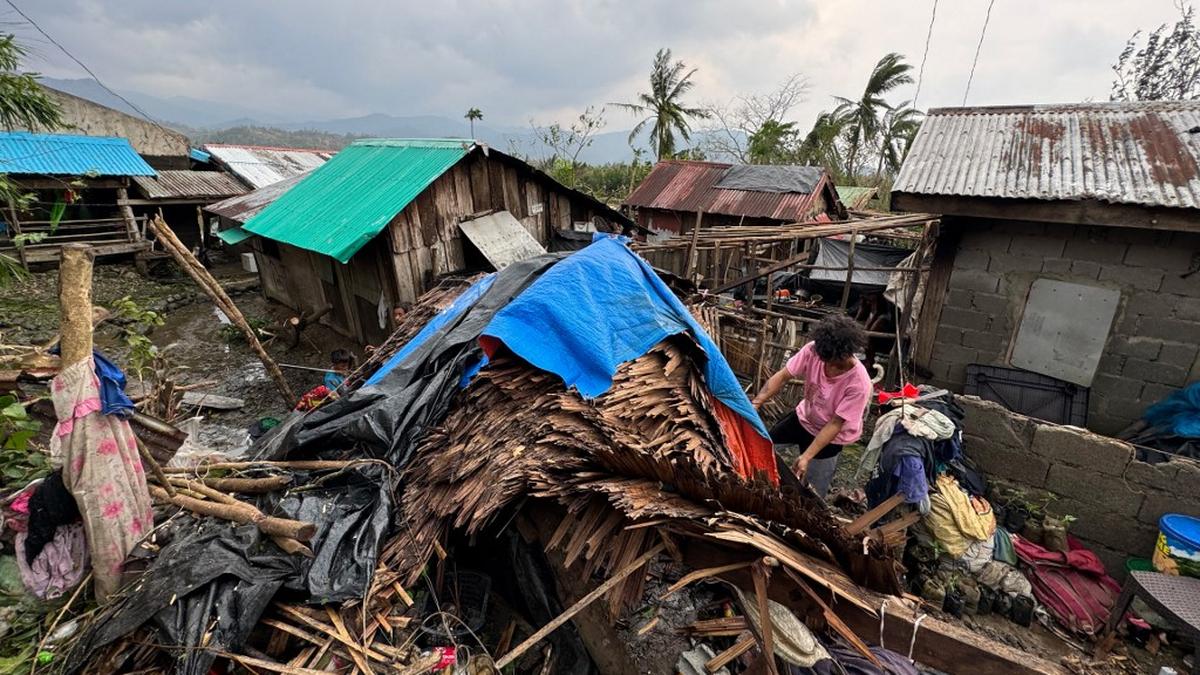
<point x="1065" y="108"/>
<point x="267" y="147"/>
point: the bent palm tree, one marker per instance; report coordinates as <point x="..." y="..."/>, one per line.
<point x="896" y="134"/>
<point x="820" y="147"/>
<point x="862" y="116"/>
<point x="667" y="112"/>
<point x="472" y="115"/>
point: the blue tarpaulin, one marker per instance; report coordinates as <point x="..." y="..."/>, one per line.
<point x="1178" y="413"/>
<point x="599" y="308"/>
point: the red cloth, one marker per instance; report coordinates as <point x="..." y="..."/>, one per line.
<point x="752" y="454"/>
<point x="1073" y="586"/>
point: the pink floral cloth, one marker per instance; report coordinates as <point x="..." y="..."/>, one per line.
<point x="102" y="469"/>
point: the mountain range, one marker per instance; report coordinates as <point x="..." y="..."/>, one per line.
<point x="211" y="121"/>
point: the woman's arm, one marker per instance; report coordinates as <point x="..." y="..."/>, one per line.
<point x="771" y="387"/>
<point x="828" y="432"/>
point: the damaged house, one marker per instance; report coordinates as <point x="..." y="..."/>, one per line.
<point x="679" y="193"/>
<point x="372" y="228"/>
<point x="1065" y="289"/>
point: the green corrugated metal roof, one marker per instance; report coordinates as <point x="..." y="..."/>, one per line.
<point x="347" y="201"/>
<point x="234" y="235"/>
<point x="855" y="198"/>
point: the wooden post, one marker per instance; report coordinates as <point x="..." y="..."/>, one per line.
<point x="210" y="286"/>
<point x="849" y="272"/>
<point x="16" y="225"/>
<point x="75" y="303"/>
<point x="200" y="223"/>
<point x="131" y="228"/>
<point x="690" y="263"/>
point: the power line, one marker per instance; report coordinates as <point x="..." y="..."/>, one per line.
<point x="928" y="37"/>
<point x="986" y="17"/>
<point x="81" y="64"/>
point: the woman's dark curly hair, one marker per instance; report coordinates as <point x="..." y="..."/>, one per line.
<point x="837" y="337"/>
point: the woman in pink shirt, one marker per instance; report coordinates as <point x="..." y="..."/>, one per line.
<point x="836" y="391"/>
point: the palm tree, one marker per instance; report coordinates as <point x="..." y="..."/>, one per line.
<point x="862" y="116"/>
<point x="896" y="133"/>
<point x="472" y="115"/>
<point x="820" y="147"/>
<point x="667" y="112"/>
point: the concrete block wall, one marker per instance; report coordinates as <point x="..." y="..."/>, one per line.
<point x="1116" y="499"/>
<point x="1153" y="347"/>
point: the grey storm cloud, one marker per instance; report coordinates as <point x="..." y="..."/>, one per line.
<point x="521" y="59"/>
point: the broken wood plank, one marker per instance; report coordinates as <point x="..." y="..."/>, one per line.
<point x="868" y="519"/>
<point x="697" y="575"/>
<point x="759" y="573"/>
<point x="586" y="600"/>
<point x="726" y="657"/>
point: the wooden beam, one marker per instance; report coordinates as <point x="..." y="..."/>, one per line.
<point x="1073" y="212"/>
<point x="868" y="519"/>
<point x="849" y="273"/>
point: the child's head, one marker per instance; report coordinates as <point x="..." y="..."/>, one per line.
<point x="341" y="359"/>
<point x="837" y="338"/>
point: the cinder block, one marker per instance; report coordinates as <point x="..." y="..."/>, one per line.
<point x="1179" y="285"/>
<point x="1094" y="250"/>
<point x="1158" y="503"/>
<point x="1114" y="531"/>
<point x="1137" y="347"/>
<point x="1156" y="371"/>
<point x="1178" y="354"/>
<point x="1135" y="236"/>
<point x="1147" y="303"/>
<point x="998" y="461"/>
<point x="1105" y="386"/>
<point x="1135" y="277"/>
<point x="1056" y="266"/>
<point x="1107" y="493"/>
<point x="1085" y="269"/>
<point x="1175" y="330"/>
<point x="971" y="258"/>
<point x="958" y="297"/>
<point x="1037" y="245"/>
<point x="1082" y="448"/>
<point x="1163" y="257"/>
<point x="974" y="279"/>
<point x="990" y="303"/>
<point x="1153" y="476"/>
<point x="989" y="343"/>
<point x="992" y="421"/>
<point x="1153" y="392"/>
<point x="964" y="318"/>
<point x="956" y="354"/>
<point x="1187" y="480"/>
<point x="948" y="335"/>
<point x="1007" y="263"/>
<point x="1107" y="423"/>
<point x="1187" y="309"/>
<point x="1111" y="363"/>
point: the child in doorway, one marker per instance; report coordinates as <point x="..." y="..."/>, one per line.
<point x="836" y="391"/>
<point x="341" y="362"/>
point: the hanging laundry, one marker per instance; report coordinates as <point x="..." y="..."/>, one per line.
<point x="101" y="467"/>
<point x="925" y="423"/>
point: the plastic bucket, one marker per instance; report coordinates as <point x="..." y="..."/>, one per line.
<point x="1178" y="548"/>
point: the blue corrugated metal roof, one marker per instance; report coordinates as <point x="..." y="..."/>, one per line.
<point x="199" y="155"/>
<point x="64" y="155"/>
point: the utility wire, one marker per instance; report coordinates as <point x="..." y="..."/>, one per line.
<point x="986" y="17"/>
<point x="81" y="64"/>
<point x="925" y="55"/>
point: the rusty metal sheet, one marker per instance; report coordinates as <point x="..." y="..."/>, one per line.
<point x="501" y="239"/>
<point x="678" y="185"/>
<point x="1132" y="153"/>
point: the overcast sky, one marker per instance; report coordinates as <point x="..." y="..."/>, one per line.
<point x="546" y="59"/>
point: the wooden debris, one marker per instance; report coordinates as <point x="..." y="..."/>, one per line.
<point x="240" y="512"/>
<point x="726" y="657"/>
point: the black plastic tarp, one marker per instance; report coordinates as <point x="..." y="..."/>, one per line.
<point x="836" y="253"/>
<point x="767" y="178"/>
<point x="211" y="582"/>
<point x="388" y="418"/>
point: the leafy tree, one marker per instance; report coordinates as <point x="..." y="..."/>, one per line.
<point x="823" y="145"/>
<point x="863" y="116"/>
<point x="735" y="123"/>
<point x="23" y="105"/>
<point x="772" y="143"/>
<point x="896" y="133"/>
<point x="567" y="143"/>
<point x="472" y="115"/>
<point x="1166" y="67"/>
<point x="663" y="105"/>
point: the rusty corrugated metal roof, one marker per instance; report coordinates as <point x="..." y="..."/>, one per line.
<point x="679" y="185"/>
<point x="244" y="207"/>
<point x="185" y="184"/>
<point x="1131" y="153"/>
<point x="259" y="166"/>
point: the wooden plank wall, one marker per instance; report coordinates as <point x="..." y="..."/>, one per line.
<point x="425" y="239"/>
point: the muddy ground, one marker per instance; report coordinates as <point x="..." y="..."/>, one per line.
<point x="193" y="336"/>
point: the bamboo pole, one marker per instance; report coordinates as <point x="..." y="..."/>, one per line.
<point x="240" y="512"/>
<point x="210" y="286"/>
<point x="849" y="274"/>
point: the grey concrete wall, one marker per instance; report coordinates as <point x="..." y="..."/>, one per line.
<point x="1152" y="348"/>
<point x="1116" y="499"/>
<point x="148" y="139"/>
